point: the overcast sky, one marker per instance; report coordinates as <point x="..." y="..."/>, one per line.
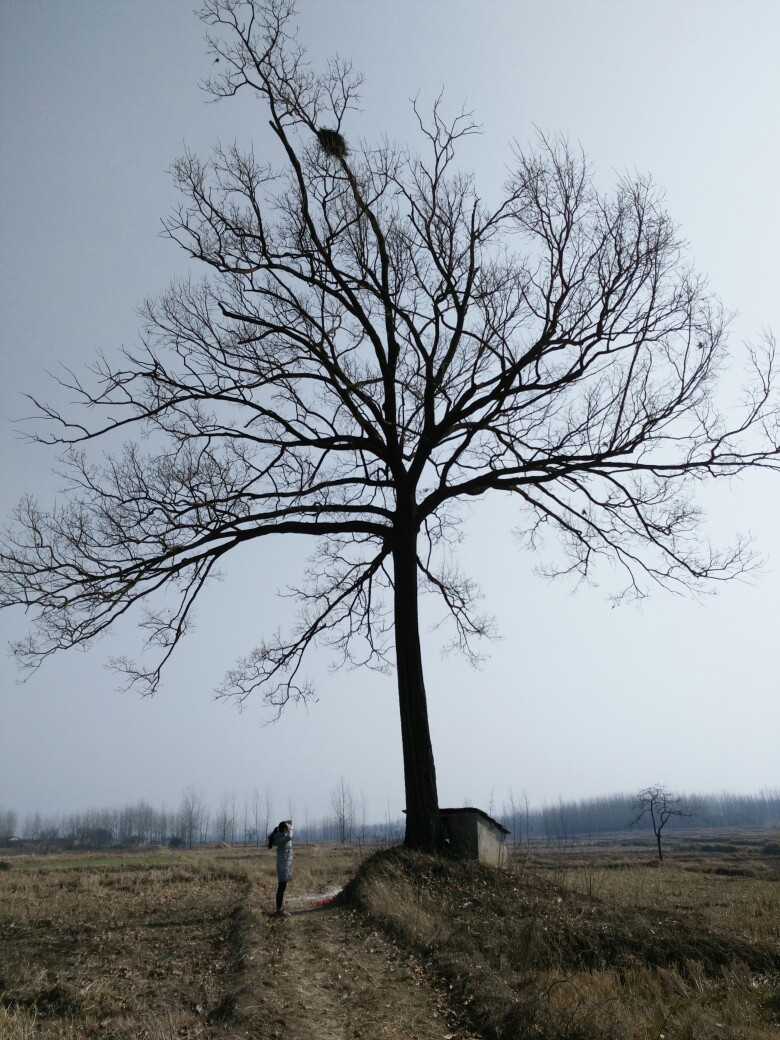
<point x="578" y="699"/>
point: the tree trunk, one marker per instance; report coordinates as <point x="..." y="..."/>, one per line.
<point x="423" y="824"/>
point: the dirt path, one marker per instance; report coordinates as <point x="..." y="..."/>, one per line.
<point x="323" y="974"/>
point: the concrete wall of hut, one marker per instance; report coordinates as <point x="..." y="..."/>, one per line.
<point x="491" y="845"/>
<point x="470" y="837"/>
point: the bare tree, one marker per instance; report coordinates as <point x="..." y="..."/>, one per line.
<point x="363" y="816"/>
<point x="245" y="828"/>
<point x="8" y="819"/>
<point x="342" y="801"/>
<point x="32" y="826"/>
<point x="373" y="348"/>
<point x="205" y="821"/>
<point x="268" y="808"/>
<point x="222" y="821"/>
<point x="190" y="815"/>
<point x="233" y="816"/>
<point x="660" y="804"/>
<point x="517" y="830"/>
<point x="256" y="815"/>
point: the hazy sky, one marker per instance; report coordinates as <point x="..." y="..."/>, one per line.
<point x="578" y="699"/>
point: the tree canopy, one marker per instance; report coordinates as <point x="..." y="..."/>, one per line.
<point x="371" y="346"/>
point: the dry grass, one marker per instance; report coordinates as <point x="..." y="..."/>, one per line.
<point x="143" y="946"/>
<point x="103" y="950"/>
<point x="595" y="944"/>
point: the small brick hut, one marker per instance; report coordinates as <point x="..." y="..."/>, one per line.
<point x="472" y="834"/>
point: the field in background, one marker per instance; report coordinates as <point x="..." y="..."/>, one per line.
<point x="573" y="942"/>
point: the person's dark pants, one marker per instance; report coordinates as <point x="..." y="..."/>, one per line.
<point x="280" y="894"/>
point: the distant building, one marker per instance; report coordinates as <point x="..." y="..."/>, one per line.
<point x="472" y="834"/>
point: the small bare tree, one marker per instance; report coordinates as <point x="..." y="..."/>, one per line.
<point x="363" y="816"/>
<point x="190" y="815"/>
<point x="342" y="802"/>
<point x="222" y="820"/>
<point x="257" y="815"/>
<point x="517" y="831"/>
<point x="8" y="820"/>
<point x="660" y="805"/>
<point x="268" y="806"/>
<point x="245" y="835"/>
<point x="205" y="822"/>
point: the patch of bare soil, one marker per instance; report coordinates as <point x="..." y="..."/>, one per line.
<point x="324" y="974"/>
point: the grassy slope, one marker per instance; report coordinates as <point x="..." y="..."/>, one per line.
<point x="578" y="951"/>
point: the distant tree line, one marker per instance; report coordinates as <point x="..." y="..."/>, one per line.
<point x="246" y="819"/>
<point x="237" y="820"/>
<point x="577" y="820"/>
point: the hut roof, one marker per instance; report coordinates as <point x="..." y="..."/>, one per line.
<point x="479" y="812"/>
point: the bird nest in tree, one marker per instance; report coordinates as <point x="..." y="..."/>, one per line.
<point x="332" y="143"/>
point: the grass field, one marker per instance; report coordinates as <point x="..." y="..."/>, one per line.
<point x="599" y="941"/>
<point x="575" y="942"/>
<point x="145" y="945"/>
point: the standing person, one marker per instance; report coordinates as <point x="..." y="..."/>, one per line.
<point x="281" y="838"/>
